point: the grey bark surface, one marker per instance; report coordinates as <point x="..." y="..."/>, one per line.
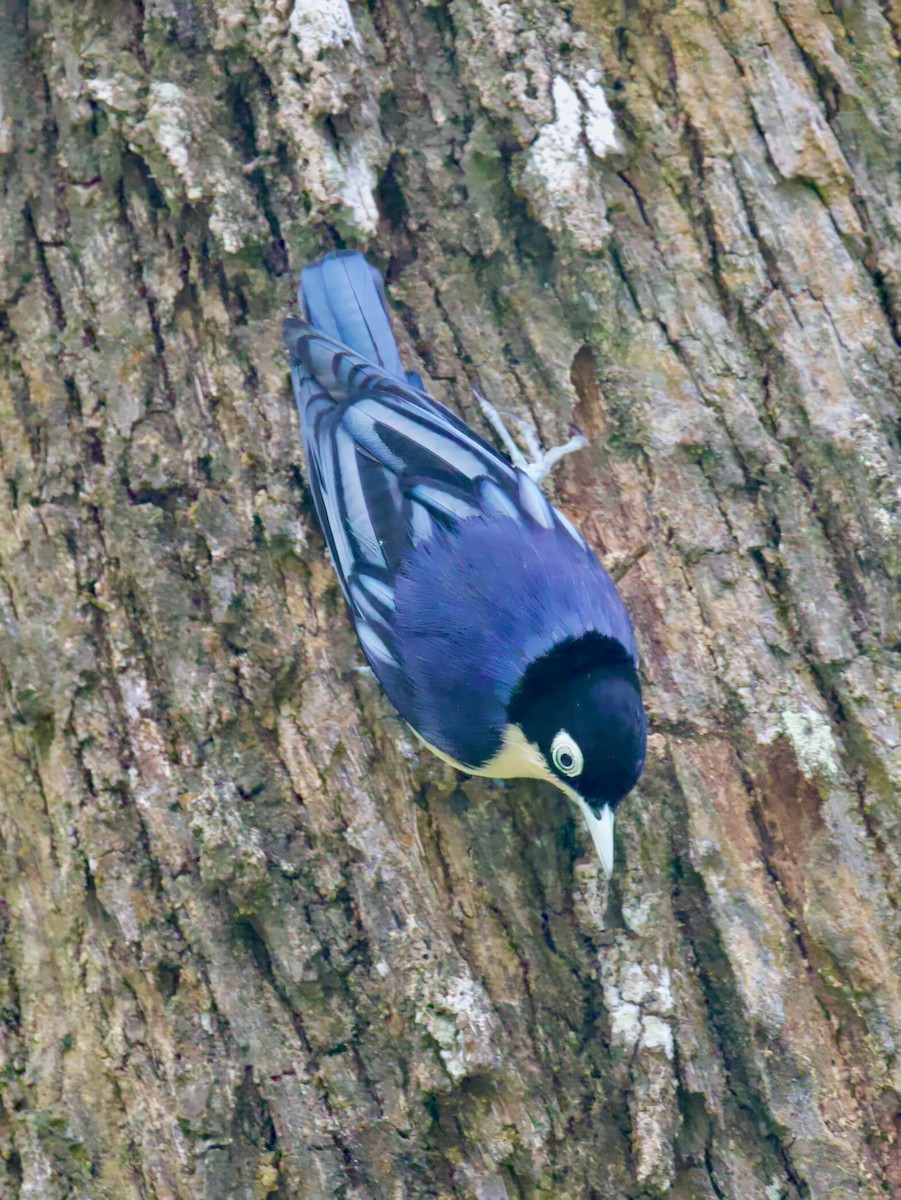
<point x="255" y="942"/>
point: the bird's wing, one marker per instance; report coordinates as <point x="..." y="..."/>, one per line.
<point x="388" y="467"/>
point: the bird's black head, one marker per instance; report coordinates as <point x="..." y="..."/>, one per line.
<point x="581" y="705"/>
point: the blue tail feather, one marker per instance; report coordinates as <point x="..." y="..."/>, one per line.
<point x="344" y="298"/>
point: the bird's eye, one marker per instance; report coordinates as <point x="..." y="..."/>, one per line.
<point x="566" y="755"/>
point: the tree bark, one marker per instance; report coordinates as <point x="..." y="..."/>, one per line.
<point x="255" y="942"/>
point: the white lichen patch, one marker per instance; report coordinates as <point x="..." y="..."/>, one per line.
<point x="640" y="912"/>
<point x="320" y="25"/>
<point x="600" y="128"/>
<point x="197" y="162"/>
<point x="557" y="175"/>
<point x="6" y="131"/>
<point x="356" y="187"/>
<point x="464" y="1026"/>
<point x="656" y="1034"/>
<point x="639" y="1000"/>
<point x="625" y="1022"/>
<point x="556" y="155"/>
<point x="170" y="121"/>
<point x="811" y="738"/>
<point x="120" y="93"/>
<point x="331" y="73"/>
<point x="638" y="1007"/>
<point x="649" y="987"/>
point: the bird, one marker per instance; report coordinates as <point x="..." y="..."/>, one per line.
<point x="491" y="625"/>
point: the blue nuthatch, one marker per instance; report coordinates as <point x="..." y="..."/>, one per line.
<point x="490" y="624"/>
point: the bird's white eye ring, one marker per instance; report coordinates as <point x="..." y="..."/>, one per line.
<point x="566" y="755"/>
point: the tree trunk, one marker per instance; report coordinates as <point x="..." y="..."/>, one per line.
<point x="256" y="943"/>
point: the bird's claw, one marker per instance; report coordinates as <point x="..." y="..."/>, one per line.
<point x="540" y="462"/>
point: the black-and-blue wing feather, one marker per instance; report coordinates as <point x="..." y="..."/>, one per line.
<point x="457" y="570"/>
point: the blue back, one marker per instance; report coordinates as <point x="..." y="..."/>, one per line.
<point x="475" y="607"/>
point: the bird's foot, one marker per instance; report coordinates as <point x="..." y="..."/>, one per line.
<point x="536" y="463"/>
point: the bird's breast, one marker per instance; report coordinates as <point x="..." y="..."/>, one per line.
<point x="517" y="758"/>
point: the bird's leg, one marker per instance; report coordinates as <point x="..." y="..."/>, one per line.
<point x="541" y="462"/>
<point x="496" y="421"/>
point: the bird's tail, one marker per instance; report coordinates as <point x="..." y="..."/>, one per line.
<point x="342" y="300"/>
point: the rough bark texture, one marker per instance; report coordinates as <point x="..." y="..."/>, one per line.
<point x="255" y="943"/>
